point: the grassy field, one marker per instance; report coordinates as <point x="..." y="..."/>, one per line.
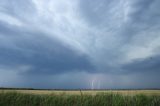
<point x="89" y="92"/>
<point x="80" y="98"/>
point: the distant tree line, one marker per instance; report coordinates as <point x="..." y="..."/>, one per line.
<point x="7" y="88"/>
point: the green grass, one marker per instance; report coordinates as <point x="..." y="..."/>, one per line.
<point x="102" y="99"/>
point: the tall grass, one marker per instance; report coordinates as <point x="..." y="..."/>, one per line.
<point x="20" y="99"/>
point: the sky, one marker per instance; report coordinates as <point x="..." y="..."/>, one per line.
<point x="80" y="44"/>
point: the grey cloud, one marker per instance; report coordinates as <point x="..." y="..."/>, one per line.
<point x="20" y="9"/>
<point x="101" y="13"/>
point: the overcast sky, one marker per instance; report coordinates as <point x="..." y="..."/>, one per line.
<point x="80" y="43"/>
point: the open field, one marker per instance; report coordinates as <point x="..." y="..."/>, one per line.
<point x="89" y="92"/>
<point x="80" y="98"/>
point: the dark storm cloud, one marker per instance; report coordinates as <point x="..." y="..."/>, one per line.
<point x="145" y="11"/>
<point x="151" y="64"/>
<point x="43" y="54"/>
<point x="143" y="16"/>
<point x="126" y="22"/>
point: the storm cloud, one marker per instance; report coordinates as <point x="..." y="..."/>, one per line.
<point x="68" y="44"/>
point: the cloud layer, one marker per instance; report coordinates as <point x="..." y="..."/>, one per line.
<point x="69" y="44"/>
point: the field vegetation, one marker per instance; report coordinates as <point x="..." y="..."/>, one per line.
<point x="79" y="98"/>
